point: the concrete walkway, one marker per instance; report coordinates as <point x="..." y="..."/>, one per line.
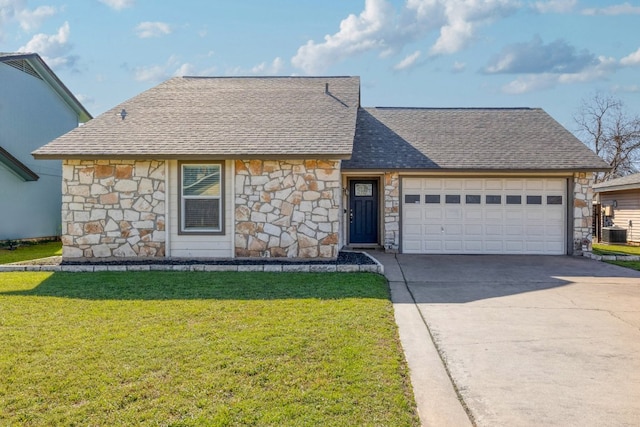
<point x="527" y="340"/>
<point x="436" y="398"/>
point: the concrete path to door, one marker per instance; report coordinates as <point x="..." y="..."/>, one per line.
<point x="519" y="340"/>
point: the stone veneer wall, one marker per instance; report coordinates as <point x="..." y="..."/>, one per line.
<point x="287" y="208"/>
<point x="391" y="212"/>
<point x="113" y="208"/>
<point x="582" y="211"/>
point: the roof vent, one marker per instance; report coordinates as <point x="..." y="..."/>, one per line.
<point x="24" y="66"/>
<point x="326" y="88"/>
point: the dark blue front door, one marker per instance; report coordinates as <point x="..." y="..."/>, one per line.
<point x="363" y="211"/>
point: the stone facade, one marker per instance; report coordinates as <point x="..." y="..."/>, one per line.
<point x="113" y="208"/>
<point x="391" y="212"/>
<point x="582" y="211"/>
<point x="287" y="208"/>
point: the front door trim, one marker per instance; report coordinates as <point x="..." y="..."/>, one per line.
<point x="364" y="207"/>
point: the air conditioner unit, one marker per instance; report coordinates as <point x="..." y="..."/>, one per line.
<point x="614" y="235"/>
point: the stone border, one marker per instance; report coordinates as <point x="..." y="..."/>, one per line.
<point x="593" y="256"/>
<point x="267" y="268"/>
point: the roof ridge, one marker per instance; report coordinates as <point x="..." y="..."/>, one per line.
<point x="269" y="77"/>
<point x="457" y="108"/>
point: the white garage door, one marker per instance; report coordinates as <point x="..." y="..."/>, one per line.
<point x="484" y="216"/>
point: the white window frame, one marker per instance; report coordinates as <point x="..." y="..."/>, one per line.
<point x="182" y="198"/>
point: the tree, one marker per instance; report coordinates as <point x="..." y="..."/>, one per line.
<point x="614" y="135"/>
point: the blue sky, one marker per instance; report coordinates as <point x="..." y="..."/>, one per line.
<point x="427" y="53"/>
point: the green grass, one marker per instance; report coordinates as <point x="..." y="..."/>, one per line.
<point x="195" y="348"/>
<point x="635" y="265"/>
<point x="28" y="251"/>
<point x="602" y="249"/>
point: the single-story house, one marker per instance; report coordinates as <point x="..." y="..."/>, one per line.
<point x="617" y="204"/>
<point x="35" y="107"/>
<point x="295" y="167"/>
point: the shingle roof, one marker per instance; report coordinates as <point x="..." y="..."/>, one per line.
<point x="192" y="117"/>
<point x="33" y="64"/>
<point x="466" y="139"/>
<point x="629" y="182"/>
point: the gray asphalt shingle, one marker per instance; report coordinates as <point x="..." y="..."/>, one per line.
<point x="279" y="117"/>
<point x="192" y="117"/>
<point x="466" y="139"/>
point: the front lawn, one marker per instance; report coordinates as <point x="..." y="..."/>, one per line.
<point x="635" y="265"/>
<point x="196" y="348"/>
<point x="29" y="251"/>
<point x="602" y="249"/>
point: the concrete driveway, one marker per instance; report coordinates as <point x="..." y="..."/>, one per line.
<point x="531" y="340"/>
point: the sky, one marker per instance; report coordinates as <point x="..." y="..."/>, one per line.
<point x="552" y="54"/>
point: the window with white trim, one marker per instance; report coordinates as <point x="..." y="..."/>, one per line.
<point x="201" y="198"/>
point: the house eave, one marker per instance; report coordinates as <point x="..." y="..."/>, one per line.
<point x="16" y="166"/>
<point x="197" y="156"/>
<point x="477" y="171"/>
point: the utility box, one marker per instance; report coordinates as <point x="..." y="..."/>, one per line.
<point x="614" y="235"/>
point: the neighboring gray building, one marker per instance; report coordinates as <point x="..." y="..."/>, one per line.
<point x="295" y="167"/>
<point x="618" y="204"/>
<point x="35" y="107"/>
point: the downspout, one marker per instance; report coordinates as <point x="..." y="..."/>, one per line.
<point x="233" y="209"/>
<point x="167" y="198"/>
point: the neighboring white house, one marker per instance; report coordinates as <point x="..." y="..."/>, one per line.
<point x="35" y="107"/>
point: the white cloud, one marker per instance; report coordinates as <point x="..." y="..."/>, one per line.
<point x="28" y="19"/>
<point x="157" y="73"/>
<point x="532" y="82"/>
<point x="631" y="59"/>
<point x="383" y="29"/>
<point x="536" y="57"/>
<point x="172" y="68"/>
<point x="408" y="61"/>
<point x="464" y="17"/>
<point x="625" y="89"/>
<point x="357" y="34"/>
<point x="118" y="4"/>
<point x="147" y="29"/>
<point x="274" y="68"/>
<point x="618" y="9"/>
<point x="32" y="19"/>
<point x="555" y="6"/>
<point x="54" y="49"/>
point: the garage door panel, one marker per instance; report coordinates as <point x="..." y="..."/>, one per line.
<point x="413" y="230"/>
<point x="473" y="230"/>
<point x="493" y="230"/>
<point x="411" y="184"/>
<point x="479" y="219"/>
<point x="453" y="214"/>
<point x="494" y="246"/>
<point x="451" y="230"/>
<point x="413" y="215"/>
<point x="493" y="184"/>
<point x="557" y="185"/>
<point x="473" y="214"/>
<point x="514" y="184"/>
<point x="433" y="214"/>
<point x="513" y="230"/>
<point x="432" y="184"/>
<point x="432" y="230"/>
<point x="473" y="246"/>
<point x="453" y="246"/>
